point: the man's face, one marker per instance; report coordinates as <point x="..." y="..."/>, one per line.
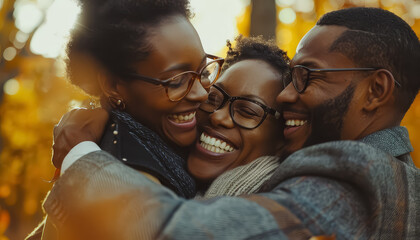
<point x="329" y="108"/>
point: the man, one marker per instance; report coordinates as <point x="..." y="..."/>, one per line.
<point x="354" y="76"/>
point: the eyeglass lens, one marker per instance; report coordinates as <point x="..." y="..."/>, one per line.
<point x="244" y="113"/>
<point x="299" y="78"/>
<point x="181" y="84"/>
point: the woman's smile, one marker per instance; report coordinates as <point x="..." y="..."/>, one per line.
<point x="184" y="121"/>
<point x="214" y="145"/>
<point x="223" y="144"/>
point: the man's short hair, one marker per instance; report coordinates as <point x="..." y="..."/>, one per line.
<point x="379" y="38"/>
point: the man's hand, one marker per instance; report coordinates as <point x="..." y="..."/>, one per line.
<point x="77" y="126"/>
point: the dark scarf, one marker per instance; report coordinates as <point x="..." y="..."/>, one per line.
<point x="148" y="152"/>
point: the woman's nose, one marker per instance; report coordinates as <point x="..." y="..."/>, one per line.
<point x="197" y="92"/>
<point x="222" y="118"/>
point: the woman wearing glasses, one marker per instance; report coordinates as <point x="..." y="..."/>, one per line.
<point x="238" y="124"/>
<point x="150" y="67"/>
<point x="145" y="60"/>
<point x="239" y="127"/>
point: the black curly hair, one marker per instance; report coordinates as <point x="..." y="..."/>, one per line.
<point x="113" y="33"/>
<point x="379" y="38"/>
<point x="259" y="49"/>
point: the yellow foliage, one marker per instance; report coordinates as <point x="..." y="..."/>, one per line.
<point x="28" y="116"/>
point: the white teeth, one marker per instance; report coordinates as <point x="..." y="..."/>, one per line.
<point x="182" y="118"/>
<point x="295" y="123"/>
<point x="215" y="145"/>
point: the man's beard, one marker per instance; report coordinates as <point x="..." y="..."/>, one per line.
<point x="327" y="118"/>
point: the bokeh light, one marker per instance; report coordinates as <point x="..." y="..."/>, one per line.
<point x="28" y="16"/>
<point x="52" y="35"/>
<point x="11" y="87"/>
<point x="214" y="29"/>
<point x="304" y="5"/>
<point x="9" y="53"/>
<point x="284" y="3"/>
<point x="287" y="16"/>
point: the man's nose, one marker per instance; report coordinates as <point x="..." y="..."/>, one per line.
<point x="288" y="95"/>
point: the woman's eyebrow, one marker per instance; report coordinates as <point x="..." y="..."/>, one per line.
<point x="254" y="97"/>
<point x="180" y="66"/>
<point x="183" y="66"/>
<point x="251" y="96"/>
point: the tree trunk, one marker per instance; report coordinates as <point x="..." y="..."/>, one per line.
<point x="263" y="18"/>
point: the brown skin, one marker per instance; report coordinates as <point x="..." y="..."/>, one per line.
<point x="77" y="126"/>
<point x="372" y="106"/>
<point x="176" y="48"/>
<point x="250" y="78"/>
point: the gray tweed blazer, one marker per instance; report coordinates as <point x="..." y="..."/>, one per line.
<point x="367" y="189"/>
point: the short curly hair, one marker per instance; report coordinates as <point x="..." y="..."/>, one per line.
<point x="113" y="33"/>
<point x="379" y="38"/>
<point x="259" y="49"/>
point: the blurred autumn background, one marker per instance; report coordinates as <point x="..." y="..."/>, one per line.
<point x="34" y="92"/>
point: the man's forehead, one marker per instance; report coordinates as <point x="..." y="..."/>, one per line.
<point x="317" y="41"/>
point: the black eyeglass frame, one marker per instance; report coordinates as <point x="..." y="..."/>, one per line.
<point x="166" y="82"/>
<point x="227" y="97"/>
<point x="310" y="70"/>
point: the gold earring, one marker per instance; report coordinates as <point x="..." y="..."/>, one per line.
<point x="116" y="103"/>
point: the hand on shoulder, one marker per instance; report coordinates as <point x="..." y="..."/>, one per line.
<point x="77" y="126"/>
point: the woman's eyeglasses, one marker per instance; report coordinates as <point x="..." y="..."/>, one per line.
<point x="301" y="75"/>
<point x="245" y="112"/>
<point x="178" y="86"/>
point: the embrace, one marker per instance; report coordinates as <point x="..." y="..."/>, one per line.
<point x="187" y="145"/>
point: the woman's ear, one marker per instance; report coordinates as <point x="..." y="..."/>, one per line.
<point x="107" y="84"/>
<point x="112" y="97"/>
<point x="380" y="90"/>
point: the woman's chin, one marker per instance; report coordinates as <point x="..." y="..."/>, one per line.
<point x="201" y="170"/>
<point x="181" y="138"/>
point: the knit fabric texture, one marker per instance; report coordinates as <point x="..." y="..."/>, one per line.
<point x="244" y="179"/>
<point x="172" y="165"/>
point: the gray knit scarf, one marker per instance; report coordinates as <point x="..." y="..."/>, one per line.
<point x="246" y="179"/>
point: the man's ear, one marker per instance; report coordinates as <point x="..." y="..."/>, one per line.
<point x="380" y="90"/>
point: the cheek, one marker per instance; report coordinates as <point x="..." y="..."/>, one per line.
<point x="148" y="105"/>
<point x="263" y="142"/>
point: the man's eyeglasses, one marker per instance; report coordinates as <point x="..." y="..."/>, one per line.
<point x="301" y="75"/>
<point x="245" y="112"/>
<point x="178" y="86"/>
